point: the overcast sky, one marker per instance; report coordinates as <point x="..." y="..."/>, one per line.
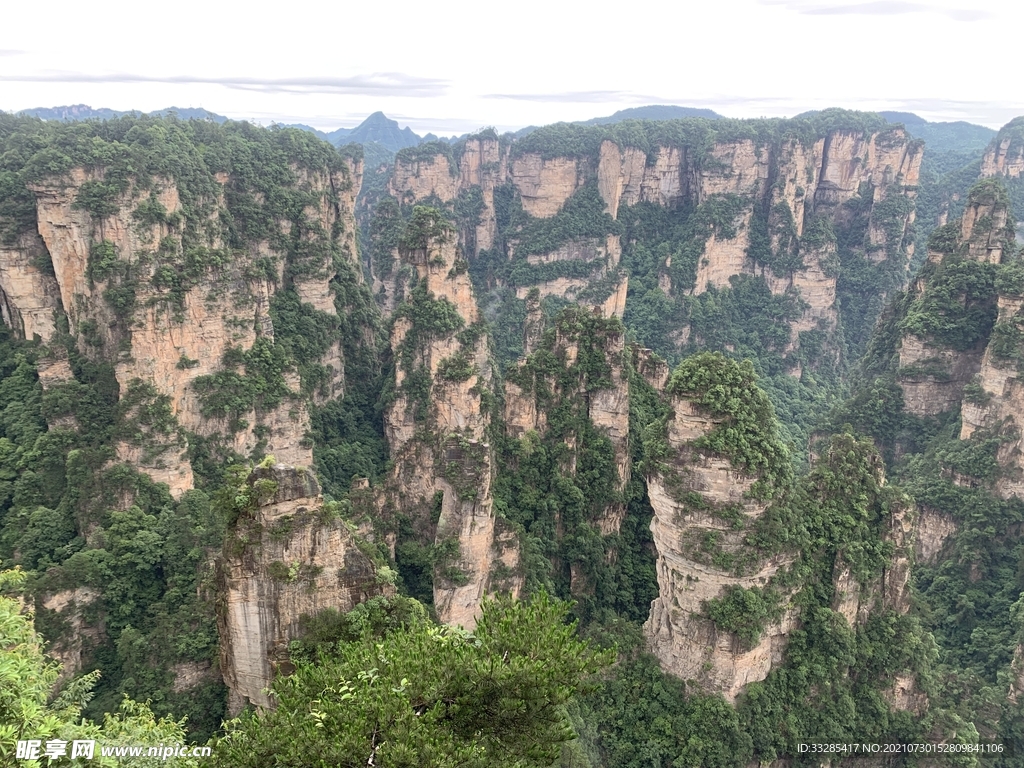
<point x="458" y="66"/>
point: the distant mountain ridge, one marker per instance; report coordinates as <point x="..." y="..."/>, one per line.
<point x="382" y="137"/>
<point x="377" y="128"/>
<point x="84" y="112"/>
<point x="653" y="112"/>
<point x="958" y="136"/>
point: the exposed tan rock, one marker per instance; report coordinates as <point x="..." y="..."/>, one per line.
<point x="933" y="378"/>
<point x="506" y="573"/>
<point x="739" y="168"/>
<point x="169" y="342"/>
<point x="282" y="562"/>
<point x="483" y="164"/>
<point x="544" y="185"/>
<point x="889" y="591"/>
<point x="653" y="368"/>
<point x="666" y="181"/>
<point x="29" y="298"/>
<point x="54" y="370"/>
<point x="563" y="287"/>
<point x="610" y="177"/>
<point x="521" y="413"/>
<point x="414" y="181"/>
<point x="986" y="245"/>
<point x="615" y="305"/>
<point x="444" y="450"/>
<point x="1017" y="674"/>
<point x="70" y="605"/>
<point x="687" y="644"/>
<point x="1002" y="159"/>
<point x="467" y="516"/>
<point x="190" y="674"/>
<point x="609" y="411"/>
<point x="880" y="159"/>
<point x="575" y="250"/>
<point x="933" y="529"/>
<point x="799" y="167"/>
<point x="1001" y="409"/>
<point x="724" y="257"/>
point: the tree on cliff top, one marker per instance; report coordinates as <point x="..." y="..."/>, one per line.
<point x="428" y="696"/>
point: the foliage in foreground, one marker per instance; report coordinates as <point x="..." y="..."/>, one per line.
<point x="28" y="709"/>
<point x="429" y="696"/>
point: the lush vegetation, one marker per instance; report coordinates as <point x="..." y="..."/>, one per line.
<point x="428" y="695"/>
<point x="34" y="706"/>
<point x="383" y="685"/>
<point x="538" y="493"/>
<point x="745" y="421"/>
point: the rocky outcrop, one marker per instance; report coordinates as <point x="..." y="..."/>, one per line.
<point x="724" y="257"/>
<point x="131" y="295"/>
<point x="781" y="184"/>
<point x="544" y="185"/>
<point x="583" y="341"/>
<point x="422" y="176"/>
<point x="688" y="496"/>
<point x="284" y="557"/>
<point x="625" y="177"/>
<point x="436" y="428"/>
<point x="933" y="374"/>
<point x="1005" y="154"/>
<point x="482" y="164"/>
<point x="891" y="589"/>
<point x="933" y="531"/>
<point x="29" y="299"/>
<point x="74" y="645"/>
<point x="1000" y="403"/>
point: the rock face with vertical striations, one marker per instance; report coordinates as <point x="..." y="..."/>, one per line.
<point x="283" y="559"/>
<point x="703" y="504"/>
<point x="768" y="203"/>
<point x="996" y="407"/>
<point x="1005" y="155"/>
<point x="943" y="343"/>
<point x="436" y="426"/>
<point x="135" y="290"/>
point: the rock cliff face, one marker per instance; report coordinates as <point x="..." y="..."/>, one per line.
<point x="72" y="606"/>
<point x="933" y="371"/>
<point x="689" y="496"/>
<point x="579" y="370"/>
<point x="415" y="180"/>
<point x="1005" y="155"/>
<point x="131" y="294"/>
<point x="768" y="208"/>
<point x="796" y="191"/>
<point x="284" y="557"/>
<point x="29" y="298"/>
<point x="999" y="406"/>
<point x="436" y="428"/>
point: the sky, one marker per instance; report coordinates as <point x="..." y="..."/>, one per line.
<point x="459" y="66"/>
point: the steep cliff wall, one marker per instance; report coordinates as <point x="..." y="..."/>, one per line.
<point x="197" y="299"/>
<point x="436" y="426"/>
<point x="952" y="314"/>
<point x="1005" y="155"/>
<point x="705" y="506"/>
<point x="29" y="297"/>
<point x="181" y="313"/>
<point x="286" y="556"/>
<point x="777" y="201"/>
<point x="571" y="396"/>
